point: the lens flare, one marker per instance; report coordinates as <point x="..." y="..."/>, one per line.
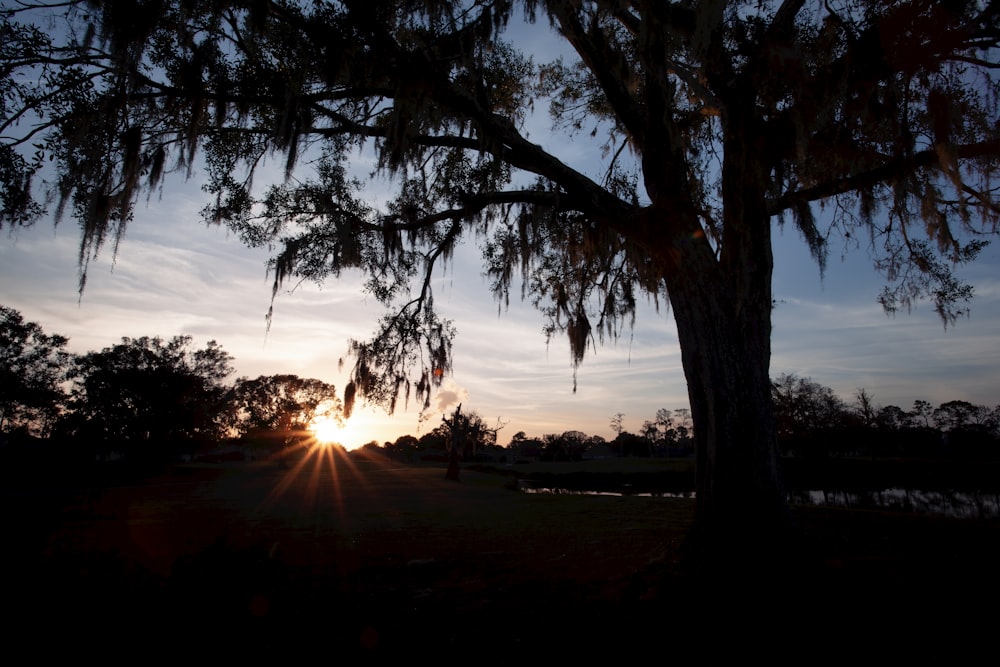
<point x="327" y="431"/>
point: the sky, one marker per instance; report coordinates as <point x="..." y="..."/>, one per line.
<point x="173" y="275"/>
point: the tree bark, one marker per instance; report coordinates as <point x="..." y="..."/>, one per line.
<point x="456" y="444"/>
<point x="722" y="304"/>
<point x="741" y="511"/>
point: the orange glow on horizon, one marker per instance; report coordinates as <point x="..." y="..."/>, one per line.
<point x="330" y="431"/>
<point x="369" y="424"/>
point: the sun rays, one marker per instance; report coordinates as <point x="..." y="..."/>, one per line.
<point x="328" y="431"/>
<point x="318" y="465"/>
<point x="323" y="484"/>
<point x="316" y="473"/>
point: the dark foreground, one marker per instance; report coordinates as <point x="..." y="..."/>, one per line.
<point x="338" y="560"/>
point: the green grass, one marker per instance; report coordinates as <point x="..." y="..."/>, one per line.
<point x="375" y="558"/>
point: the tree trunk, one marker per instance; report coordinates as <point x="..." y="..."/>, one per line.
<point x="741" y="511"/>
<point x="456" y="443"/>
<point x="452" y="473"/>
<point x="722" y="306"/>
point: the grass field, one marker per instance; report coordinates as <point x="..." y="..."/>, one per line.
<point x="373" y="559"/>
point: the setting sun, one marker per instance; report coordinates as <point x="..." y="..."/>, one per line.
<point x="327" y="431"/>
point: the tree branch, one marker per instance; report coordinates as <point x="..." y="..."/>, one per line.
<point x="881" y="174"/>
<point x="611" y="70"/>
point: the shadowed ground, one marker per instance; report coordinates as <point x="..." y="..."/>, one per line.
<point x="367" y="559"/>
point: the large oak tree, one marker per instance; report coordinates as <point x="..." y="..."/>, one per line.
<point x="708" y="123"/>
<point x="279" y="408"/>
<point x="148" y="398"/>
<point x="33" y="365"/>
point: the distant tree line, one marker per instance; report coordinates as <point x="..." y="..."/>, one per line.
<point x="813" y="421"/>
<point x="478" y="441"/>
<point x="145" y="399"/>
<point x="153" y="399"/>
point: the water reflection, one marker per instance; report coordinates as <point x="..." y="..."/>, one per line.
<point x="957" y="504"/>
<point x="531" y="486"/>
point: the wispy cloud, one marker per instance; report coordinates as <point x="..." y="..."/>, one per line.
<point x="174" y="275"/>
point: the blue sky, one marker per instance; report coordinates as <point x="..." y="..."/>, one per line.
<point x="173" y="275"/>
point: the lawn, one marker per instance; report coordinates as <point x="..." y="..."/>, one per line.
<point x="374" y="559"/>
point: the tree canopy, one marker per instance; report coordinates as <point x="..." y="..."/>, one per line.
<point x="33" y="365"/>
<point x="706" y="123"/>
<point x="282" y="404"/>
<point x="148" y="396"/>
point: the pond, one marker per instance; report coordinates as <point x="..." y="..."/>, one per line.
<point x="958" y="504"/>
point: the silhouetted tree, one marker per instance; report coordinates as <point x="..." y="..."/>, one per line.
<point x="436" y="441"/>
<point x="683" y="428"/>
<point x="33" y="365"/>
<point x="458" y="436"/>
<point x="148" y="397"/>
<point x="468" y="434"/>
<point x="524" y="448"/>
<point x="891" y="418"/>
<point x="922" y="413"/>
<point x="970" y="430"/>
<point x="651" y="431"/>
<point x="891" y="432"/>
<point x="404" y="448"/>
<point x="630" y="444"/>
<point x="809" y="416"/>
<point x="864" y="407"/>
<point x="596" y="444"/>
<point x="736" y="115"/>
<point x="279" y="408"/>
<point x="669" y="432"/>
<point x="953" y="415"/>
<point x="565" y="446"/>
<point x="618" y="422"/>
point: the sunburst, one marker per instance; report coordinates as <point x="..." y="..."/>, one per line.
<point x="327" y="431"/>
